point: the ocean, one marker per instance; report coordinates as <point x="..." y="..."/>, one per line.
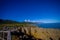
<point x="49" y="25"/>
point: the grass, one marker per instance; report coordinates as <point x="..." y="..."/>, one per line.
<point x="41" y="33"/>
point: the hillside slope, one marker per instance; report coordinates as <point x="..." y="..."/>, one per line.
<point x="43" y="33"/>
<point x="32" y="30"/>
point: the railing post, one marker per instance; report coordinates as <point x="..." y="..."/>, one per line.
<point x="9" y="36"/>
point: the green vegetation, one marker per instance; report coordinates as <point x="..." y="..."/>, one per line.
<point x="11" y="23"/>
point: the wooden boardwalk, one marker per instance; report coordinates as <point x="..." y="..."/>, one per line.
<point x="5" y="35"/>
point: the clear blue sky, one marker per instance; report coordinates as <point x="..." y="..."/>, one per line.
<point x="35" y="10"/>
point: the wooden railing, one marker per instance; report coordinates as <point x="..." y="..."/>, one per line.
<point x="5" y="35"/>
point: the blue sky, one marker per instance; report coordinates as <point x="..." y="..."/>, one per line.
<point x="34" y="10"/>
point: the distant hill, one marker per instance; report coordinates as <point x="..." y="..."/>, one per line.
<point x="7" y="21"/>
<point x="13" y="22"/>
